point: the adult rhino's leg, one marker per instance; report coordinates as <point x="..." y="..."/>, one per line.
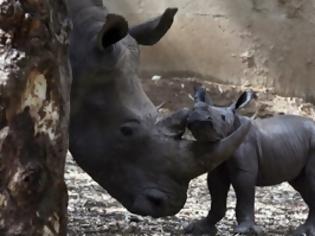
<point x="218" y="184"/>
<point x="305" y="185"/>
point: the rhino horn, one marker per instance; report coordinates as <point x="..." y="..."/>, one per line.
<point x="201" y="157"/>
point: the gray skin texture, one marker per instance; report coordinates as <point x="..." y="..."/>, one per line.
<point x="277" y="149"/>
<point x="116" y="134"/>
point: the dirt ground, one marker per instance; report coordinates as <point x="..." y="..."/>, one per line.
<point x="279" y="209"/>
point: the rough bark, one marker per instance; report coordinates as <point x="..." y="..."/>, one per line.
<point x="34" y="107"/>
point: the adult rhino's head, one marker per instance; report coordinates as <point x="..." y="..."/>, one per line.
<point x="116" y="133"/>
<point x="210" y="123"/>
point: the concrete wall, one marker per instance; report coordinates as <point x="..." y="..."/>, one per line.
<point x="267" y="43"/>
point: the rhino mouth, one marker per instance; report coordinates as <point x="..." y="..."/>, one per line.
<point x="157" y="203"/>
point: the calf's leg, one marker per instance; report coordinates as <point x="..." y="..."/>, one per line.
<point x="244" y="185"/>
<point x="218" y="184"/>
<point x="305" y="185"/>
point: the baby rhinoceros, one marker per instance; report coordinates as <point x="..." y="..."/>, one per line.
<point x="276" y="149"/>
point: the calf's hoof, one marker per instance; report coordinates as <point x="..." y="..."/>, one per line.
<point x="200" y="227"/>
<point x="304" y="230"/>
<point x="249" y="229"/>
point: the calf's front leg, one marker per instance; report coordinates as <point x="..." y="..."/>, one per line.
<point x="244" y="185"/>
<point x="218" y="184"/>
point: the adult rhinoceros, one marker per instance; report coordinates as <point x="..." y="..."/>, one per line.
<point x="116" y="134"/>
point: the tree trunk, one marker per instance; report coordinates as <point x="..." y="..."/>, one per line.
<point x="35" y="83"/>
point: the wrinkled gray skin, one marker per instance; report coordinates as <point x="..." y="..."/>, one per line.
<point x="277" y="149"/>
<point x="116" y="133"/>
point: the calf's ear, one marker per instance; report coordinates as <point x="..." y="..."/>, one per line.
<point x="245" y="98"/>
<point x="200" y="95"/>
<point x="151" y="32"/>
<point x="114" y="29"/>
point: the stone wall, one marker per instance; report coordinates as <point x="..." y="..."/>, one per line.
<point x="268" y="43"/>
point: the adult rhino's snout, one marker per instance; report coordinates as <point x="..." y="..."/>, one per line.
<point x="155" y="198"/>
<point x="155" y="203"/>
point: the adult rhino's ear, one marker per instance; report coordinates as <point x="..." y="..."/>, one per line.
<point x="114" y="29"/>
<point x="151" y="32"/>
<point x="245" y="98"/>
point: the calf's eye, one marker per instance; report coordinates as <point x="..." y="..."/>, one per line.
<point x="223" y="117"/>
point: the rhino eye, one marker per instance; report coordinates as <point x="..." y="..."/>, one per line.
<point x="223" y="117"/>
<point x="126" y="131"/>
<point x="130" y="127"/>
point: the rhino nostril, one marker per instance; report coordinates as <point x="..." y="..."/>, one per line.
<point x="189" y="125"/>
<point x="156" y="200"/>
